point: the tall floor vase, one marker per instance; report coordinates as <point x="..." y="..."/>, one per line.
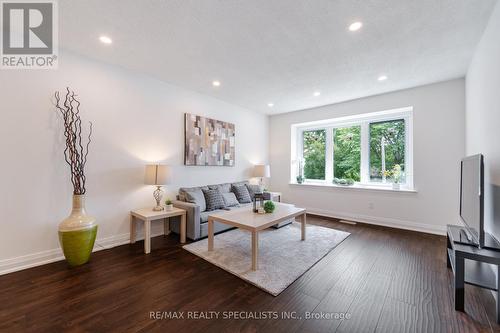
<point x="77" y="233"/>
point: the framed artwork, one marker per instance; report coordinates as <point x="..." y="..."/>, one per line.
<point x="208" y="141"/>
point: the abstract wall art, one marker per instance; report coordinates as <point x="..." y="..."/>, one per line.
<point x="208" y="141"/>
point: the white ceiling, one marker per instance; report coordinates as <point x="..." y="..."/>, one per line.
<point x="280" y="51"/>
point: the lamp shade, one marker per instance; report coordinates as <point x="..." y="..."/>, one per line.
<point x="262" y="170"/>
<point x="156" y="174"/>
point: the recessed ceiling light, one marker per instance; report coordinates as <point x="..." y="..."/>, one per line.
<point x="382" y="78"/>
<point x="316" y="93"/>
<point x="105" y="40"/>
<point x="355" y="26"/>
<point x="270" y="105"/>
<point x="216" y="83"/>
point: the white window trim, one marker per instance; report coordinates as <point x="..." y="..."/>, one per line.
<point x="362" y="120"/>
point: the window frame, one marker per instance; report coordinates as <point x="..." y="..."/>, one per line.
<point x="364" y="121"/>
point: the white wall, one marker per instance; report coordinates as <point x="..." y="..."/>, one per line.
<point x="483" y="116"/>
<point x="136" y="120"/>
<point x="439" y="112"/>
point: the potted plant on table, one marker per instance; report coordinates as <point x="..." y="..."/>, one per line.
<point x="269" y="206"/>
<point x="78" y="231"/>
<point x="169" y="205"/>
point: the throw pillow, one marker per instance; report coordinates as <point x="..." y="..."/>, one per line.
<point x="240" y="183"/>
<point x="252" y="189"/>
<point x="241" y="193"/>
<point x="213" y="199"/>
<point x="230" y="199"/>
<point x="223" y="188"/>
<point x="195" y="196"/>
<point x="183" y="190"/>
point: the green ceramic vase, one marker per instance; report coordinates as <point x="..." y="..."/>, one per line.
<point x="77" y="233"/>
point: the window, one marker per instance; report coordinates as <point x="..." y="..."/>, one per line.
<point x="347" y="153"/>
<point x="387" y="148"/>
<point x="373" y="149"/>
<point x="314" y="143"/>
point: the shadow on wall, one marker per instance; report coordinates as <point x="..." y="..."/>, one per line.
<point x="120" y="180"/>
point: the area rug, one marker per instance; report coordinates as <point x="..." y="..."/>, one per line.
<point x="283" y="257"/>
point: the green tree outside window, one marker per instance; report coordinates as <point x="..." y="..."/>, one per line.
<point x="391" y="135"/>
<point x="347" y="153"/>
<point x="314" y="145"/>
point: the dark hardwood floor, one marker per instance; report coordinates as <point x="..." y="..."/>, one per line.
<point x="387" y="280"/>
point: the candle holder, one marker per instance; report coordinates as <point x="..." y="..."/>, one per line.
<point x="258" y="202"/>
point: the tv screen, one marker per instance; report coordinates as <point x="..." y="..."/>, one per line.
<point x="471" y="197"/>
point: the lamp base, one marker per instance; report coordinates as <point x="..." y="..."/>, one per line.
<point x="158" y="194"/>
<point x="261" y="185"/>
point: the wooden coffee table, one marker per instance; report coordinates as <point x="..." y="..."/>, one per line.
<point x="245" y="218"/>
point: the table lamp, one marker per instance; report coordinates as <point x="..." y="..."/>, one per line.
<point x="262" y="171"/>
<point x="157" y="175"/>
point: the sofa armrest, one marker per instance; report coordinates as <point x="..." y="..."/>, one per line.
<point x="192" y="218"/>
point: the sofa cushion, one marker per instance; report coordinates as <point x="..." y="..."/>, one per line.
<point x="241" y="193"/>
<point x="195" y="196"/>
<point x="213" y="199"/>
<point x="252" y="189"/>
<point x="218" y="227"/>
<point x="204" y="215"/>
<point x="250" y="205"/>
<point x="230" y="199"/>
<point x="183" y="190"/>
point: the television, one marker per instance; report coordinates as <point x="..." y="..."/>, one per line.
<point x="472" y="198"/>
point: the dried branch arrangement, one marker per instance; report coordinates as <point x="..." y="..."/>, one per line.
<point x="76" y="150"/>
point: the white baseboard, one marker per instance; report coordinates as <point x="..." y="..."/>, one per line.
<point x="386" y="222"/>
<point x="30" y="260"/>
<point x="46" y="257"/>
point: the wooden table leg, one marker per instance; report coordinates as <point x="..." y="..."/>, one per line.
<point x="166" y="226"/>
<point x="183" y="228"/>
<point x="459" y="283"/>
<point x="132" y="229"/>
<point x="303" y="227"/>
<point x="255" y="250"/>
<point x="147" y="236"/>
<point x="210" y="235"/>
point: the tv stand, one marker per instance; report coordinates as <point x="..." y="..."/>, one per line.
<point x="465" y="238"/>
<point x="473" y="265"/>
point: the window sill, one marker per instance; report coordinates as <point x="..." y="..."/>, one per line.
<point x="357" y="187"/>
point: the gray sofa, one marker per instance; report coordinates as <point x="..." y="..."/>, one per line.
<point x="197" y="216"/>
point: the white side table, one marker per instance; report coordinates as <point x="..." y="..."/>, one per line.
<point x="275" y="196"/>
<point x="147" y="215"/>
